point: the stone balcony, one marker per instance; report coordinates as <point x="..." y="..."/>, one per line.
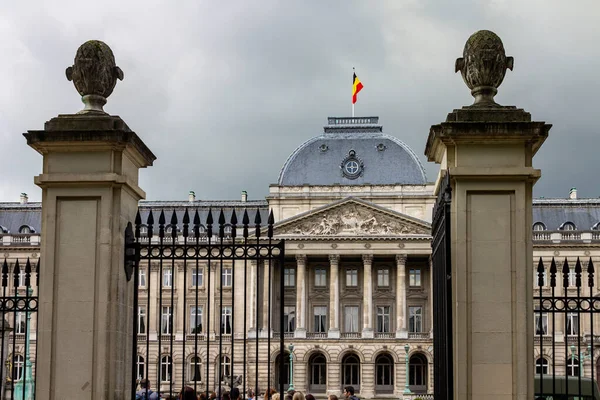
<point x="20" y="239"/>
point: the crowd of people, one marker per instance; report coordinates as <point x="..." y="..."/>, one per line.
<point x="188" y="393"/>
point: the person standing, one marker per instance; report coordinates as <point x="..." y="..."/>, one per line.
<point x="349" y="393"/>
<point x="145" y="393"/>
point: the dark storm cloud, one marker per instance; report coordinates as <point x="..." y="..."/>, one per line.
<point x="223" y="92"/>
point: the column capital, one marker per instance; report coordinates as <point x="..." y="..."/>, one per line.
<point x="367" y="258"/>
<point x="334" y="258"/>
<point x="401" y="259"/>
<point x="301" y="259"/>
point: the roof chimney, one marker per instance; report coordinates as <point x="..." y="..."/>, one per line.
<point x="573" y="193"/>
<point x="244" y="196"/>
<point x="192" y="196"/>
<point x="24" y="198"/>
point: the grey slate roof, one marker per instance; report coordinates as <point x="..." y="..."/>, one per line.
<point x="308" y="164"/>
<point x="584" y="213"/>
<point x="15" y="215"/>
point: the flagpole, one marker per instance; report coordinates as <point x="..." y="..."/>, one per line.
<point x="352" y="110"/>
<point x="353" y="73"/>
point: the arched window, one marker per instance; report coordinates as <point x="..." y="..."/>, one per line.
<point x="17" y="370"/>
<point x="318" y="373"/>
<point x="25" y="229"/>
<point x="144" y="230"/>
<point x="539" y="226"/>
<point x="541" y="366"/>
<point x="596" y="226"/>
<point x="418" y="373"/>
<point x="166" y="368"/>
<point x="286" y="368"/>
<point x="384" y="374"/>
<point x="227" y="230"/>
<point x="140" y="367"/>
<point x="351" y="371"/>
<point x="568" y="226"/>
<point x="195" y="369"/>
<point x="225" y="367"/>
<point x="3" y="229"/>
<point x="573" y="366"/>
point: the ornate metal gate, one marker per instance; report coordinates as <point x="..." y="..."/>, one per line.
<point x="186" y="249"/>
<point x="442" y="294"/>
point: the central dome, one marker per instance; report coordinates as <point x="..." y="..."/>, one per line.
<point x="352" y="151"/>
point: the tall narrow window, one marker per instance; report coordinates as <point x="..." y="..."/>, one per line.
<point x="226" y="321"/>
<point x="383" y="319"/>
<point x="289" y="277"/>
<point x="351" y="277"/>
<point x="320" y="277"/>
<point x="140" y="367"/>
<point x="289" y="318"/>
<point x="541" y="323"/>
<point x="320" y="313"/>
<point x="384" y="374"/>
<point x="142" y="278"/>
<point x="383" y="277"/>
<point x="573" y="366"/>
<point x="351" y="371"/>
<point x="415" y="319"/>
<point x="417" y="373"/>
<point x="20" y="327"/>
<point x="198" y="277"/>
<point x="196" y="320"/>
<point x="351" y="319"/>
<point x="318" y="373"/>
<point x="141" y="324"/>
<point x="226" y="278"/>
<point x="166" y="369"/>
<point x="167" y="277"/>
<point x="414" y="277"/>
<point x="166" y="320"/>
<point x="22" y="277"/>
<point x="195" y="368"/>
<point x="572" y="324"/>
<point x="17" y="372"/>
<point x="225" y="367"/>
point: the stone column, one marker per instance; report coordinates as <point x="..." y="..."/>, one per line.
<point x="214" y="319"/>
<point x="266" y="279"/>
<point x="301" y="286"/>
<point x="334" y="297"/>
<point x="180" y="311"/>
<point x="401" y="331"/>
<point x="367" y="297"/>
<point x="252" y="299"/>
<point x="487" y="150"/>
<point x="90" y="192"/>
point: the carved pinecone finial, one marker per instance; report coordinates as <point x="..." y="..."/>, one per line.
<point x="94" y="74"/>
<point x="483" y="66"/>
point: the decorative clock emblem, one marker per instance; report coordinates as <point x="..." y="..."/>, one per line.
<point x="352" y="167"/>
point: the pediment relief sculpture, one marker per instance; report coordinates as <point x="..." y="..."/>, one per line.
<point x="351" y="220"/>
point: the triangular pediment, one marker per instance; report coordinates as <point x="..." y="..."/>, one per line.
<point x="352" y="217"/>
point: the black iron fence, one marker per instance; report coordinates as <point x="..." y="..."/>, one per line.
<point x="197" y="293"/>
<point x="566" y="306"/>
<point x="18" y="326"/>
<point x="442" y="294"/>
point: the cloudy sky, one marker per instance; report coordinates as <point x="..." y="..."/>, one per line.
<point x="223" y="91"/>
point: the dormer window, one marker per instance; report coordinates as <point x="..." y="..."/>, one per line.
<point x="539" y="226"/>
<point x="26" y="229"/>
<point x="596" y="226"/>
<point x="3" y="229"/>
<point x="144" y="230"/>
<point x="568" y="226"/>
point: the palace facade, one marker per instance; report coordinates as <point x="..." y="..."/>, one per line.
<point x="355" y="208"/>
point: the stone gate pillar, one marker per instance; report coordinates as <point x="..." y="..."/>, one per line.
<point x="487" y="150"/>
<point x="90" y="191"/>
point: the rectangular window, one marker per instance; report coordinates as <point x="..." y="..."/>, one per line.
<point x="167" y="277"/>
<point x="142" y="277"/>
<point x="320" y="277"/>
<point x="572" y="324"/>
<point x="166" y="320"/>
<point x="289" y="318"/>
<point x="320" y="313"/>
<point x="415" y="319"/>
<point x="20" y="328"/>
<point x="196" y="319"/>
<point x="22" y="277"/>
<point x="414" y="277"/>
<point x="197" y="277"/>
<point x="383" y="277"/>
<point x="226" y="278"/>
<point x="541" y="323"/>
<point x="289" y="277"/>
<point x="351" y="277"/>
<point x="351" y="319"/>
<point x="226" y="327"/>
<point x="383" y="319"/>
<point x="141" y="324"/>
<point x="572" y="277"/>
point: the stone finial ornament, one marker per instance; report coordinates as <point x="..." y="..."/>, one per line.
<point x="94" y="75"/>
<point x="483" y="66"/>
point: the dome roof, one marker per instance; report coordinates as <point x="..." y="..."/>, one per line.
<point x="352" y="151"/>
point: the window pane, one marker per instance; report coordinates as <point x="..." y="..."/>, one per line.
<point x="226" y="321"/>
<point x="351" y="277"/>
<point x="226" y="278"/>
<point x="166" y="320"/>
<point x="383" y="277"/>
<point x="167" y="277"/>
<point x="197" y="277"/>
<point x="320" y="277"/>
<point x="141" y="320"/>
<point x="320" y="314"/>
<point x="415" y="277"/>
<point x="351" y="319"/>
<point x="289" y="277"/>
<point x="196" y="320"/>
<point x="415" y="319"/>
<point x="289" y="318"/>
<point x="142" y="278"/>
<point x="383" y="319"/>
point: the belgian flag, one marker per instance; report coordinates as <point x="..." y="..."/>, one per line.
<point x="356" y="87"/>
